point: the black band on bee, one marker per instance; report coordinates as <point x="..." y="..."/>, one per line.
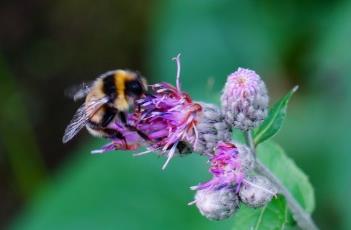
<point x="93" y="125"/>
<point x="109" y="86"/>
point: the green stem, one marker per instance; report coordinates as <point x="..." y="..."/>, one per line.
<point x="250" y="141"/>
<point x="303" y="219"/>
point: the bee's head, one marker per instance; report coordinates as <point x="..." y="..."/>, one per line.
<point x="136" y="86"/>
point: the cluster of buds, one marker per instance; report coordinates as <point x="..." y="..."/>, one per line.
<point x="169" y="123"/>
<point x="244" y="104"/>
<point x="233" y="182"/>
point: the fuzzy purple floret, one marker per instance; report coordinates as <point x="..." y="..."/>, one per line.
<point x="168" y="117"/>
<point x="225" y="167"/>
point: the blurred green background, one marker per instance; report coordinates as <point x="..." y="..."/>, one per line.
<point x="47" y="46"/>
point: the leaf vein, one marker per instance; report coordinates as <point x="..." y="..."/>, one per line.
<point x="259" y="220"/>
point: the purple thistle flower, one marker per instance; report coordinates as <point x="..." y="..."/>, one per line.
<point x="168" y="117"/>
<point x="244" y="99"/>
<point x="226" y="168"/>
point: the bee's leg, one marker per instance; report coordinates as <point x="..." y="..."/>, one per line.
<point x="123" y="118"/>
<point x="140" y="133"/>
<point x="112" y="133"/>
<point x="138" y="107"/>
<point x="109" y="115"/>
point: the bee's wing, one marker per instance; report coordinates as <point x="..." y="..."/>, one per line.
<point x="79" y="91"/>
<point x="81" y="117"/>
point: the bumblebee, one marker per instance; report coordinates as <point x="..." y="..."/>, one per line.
<point x="111" y="95"/>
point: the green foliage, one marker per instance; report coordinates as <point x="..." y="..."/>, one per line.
<point x="274" y="157"/>
<point x="276" y="215"/>
<point x="274" y="120"/>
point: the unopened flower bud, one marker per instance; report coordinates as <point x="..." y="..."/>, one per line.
<point x="211" y="129"/>
<point x="256" y="191"/>
<point x="244" y="99"/>
<point x="217" y="204"/>
<point x="246" y="158"/>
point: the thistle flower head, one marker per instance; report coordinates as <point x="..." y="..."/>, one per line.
<point x="169" y="117"/>
<point x="226" y="168"/>
<point x="216" y="204"/>
<point x="244" y="99"/>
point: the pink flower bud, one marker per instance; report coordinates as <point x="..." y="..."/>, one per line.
<point x="226" y="168"/>
<point x="256" y="191"/>
<point x="216" y="204"/>
<point x="244" y="99"/>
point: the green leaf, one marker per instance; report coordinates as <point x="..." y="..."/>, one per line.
<point x="275" y="119"/>
<point x="276" y="215"/>
<point x="274" y="157"/>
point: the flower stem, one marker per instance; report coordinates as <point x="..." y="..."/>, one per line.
<point x="303" y="219"/>
<point x="250" y="141"/>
